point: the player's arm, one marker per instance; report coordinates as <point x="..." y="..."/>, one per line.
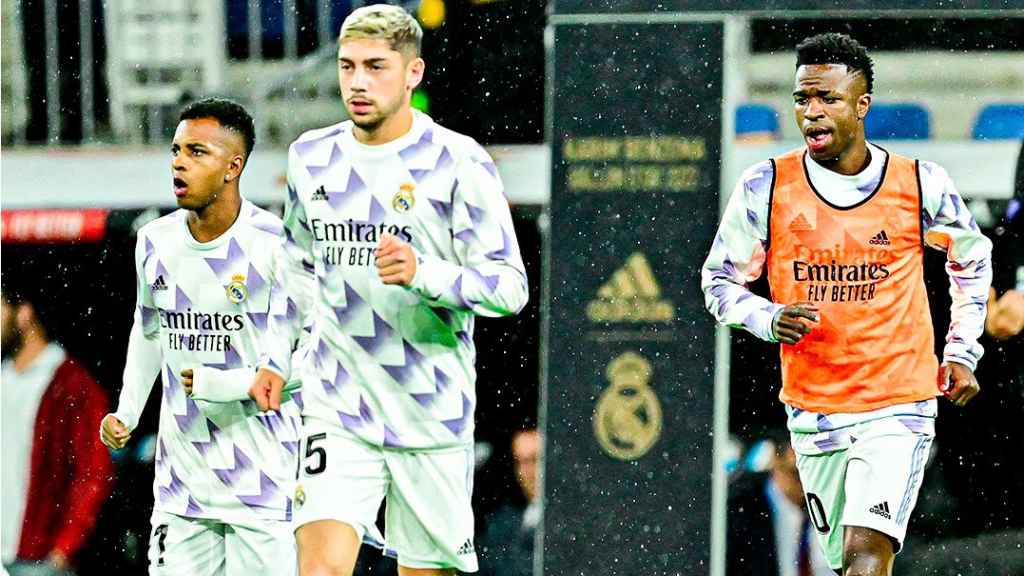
<point x="949" y="226"/>
<point x="142" y="364"/>
<point x="737" y="258"/>
<point x="292" y="291"/>
<point x="488" y="278"/>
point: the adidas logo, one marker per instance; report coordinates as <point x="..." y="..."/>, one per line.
<point x="319" y="194"/>
<point x="882" y="510"/>
<point x="800" y="224"/>
<point x="881" y="239"/>
<point x="466" y="548"/>
<point x="631" y="295"/>
<point x="158" y="284"/>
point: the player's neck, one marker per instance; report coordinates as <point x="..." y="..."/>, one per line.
<point x="853" y="161"/>
<point x="210" y="222"/>
<point x="32" y="345"/>
<point x="396" y="126"/>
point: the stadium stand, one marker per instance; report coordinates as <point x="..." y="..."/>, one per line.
<point x="897" y="121"/>
<point x="1000" y="122"/>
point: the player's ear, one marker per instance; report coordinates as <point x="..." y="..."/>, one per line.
<point x="414" y="73"/>
<point x="863" y="105"/>
<point x="234" y="168"/>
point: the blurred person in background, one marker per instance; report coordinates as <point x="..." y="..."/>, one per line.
<point x="770" y="532"/>
<point x="985" y="484"/>
<point x="506" y="548"/>
<point x="841" y="225"/>
<point x="55" y="475"/>
<point x="225" y="466"/>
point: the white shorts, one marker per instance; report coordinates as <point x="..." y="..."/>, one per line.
<point x="200" y="547"/>
<point x="870" y="480"/>
<point x="428" y="517"/>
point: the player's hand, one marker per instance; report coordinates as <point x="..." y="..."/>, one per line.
<point x="113" y="433"/>
<point x="958" y="383"/>
<point x="1006" y="315"/>
<point x="396" y="262"/>
<point x="186" y="380"/>
<point x="788" y="327"/>
<point x="266" y="390"/>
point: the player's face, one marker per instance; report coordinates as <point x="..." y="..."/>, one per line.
<point x="205" y="156"/>
<point x="829" y="103"/>
<point x="526" y="452"/>
<point x="10" y="337"/>
<point x="376" y="81"/>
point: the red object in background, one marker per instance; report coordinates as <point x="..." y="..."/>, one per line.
<point x="57" y="226"/>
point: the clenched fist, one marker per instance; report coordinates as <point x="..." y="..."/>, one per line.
<point x="396" y="262"/>
<point x="113" y="433"/>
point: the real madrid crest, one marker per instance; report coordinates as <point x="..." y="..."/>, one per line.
<point x="627" y="418"/>
<point x="236" y="290"/>
<point x="404" y="200"/>
<point x="300" y="496"/>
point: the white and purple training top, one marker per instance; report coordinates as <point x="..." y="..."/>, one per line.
<point x="395" y="365"/>
<point x="204" y="306"/>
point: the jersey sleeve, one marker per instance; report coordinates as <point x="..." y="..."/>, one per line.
<point x="145" y="356"/>
<point x="293" y="286"/>
<point x="488" y="277"/>
<point x="949" y="226"/>
<point x="737" y="258"/>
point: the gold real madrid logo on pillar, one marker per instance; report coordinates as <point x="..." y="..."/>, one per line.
<point x="627" y="419"/>
<point x="404" y="200"/>
<point x="236" y="290"/>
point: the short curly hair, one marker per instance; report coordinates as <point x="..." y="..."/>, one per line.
<point x="835" y="48"/>
<point x="228" y="113"/>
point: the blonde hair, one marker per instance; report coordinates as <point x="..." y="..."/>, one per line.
<point x="384" y="22"/>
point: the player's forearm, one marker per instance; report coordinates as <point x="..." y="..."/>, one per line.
<point x="737" y="258"/>
<point x="952" y="229"/>
<point x="494" y="288"/>
<point x="216" y="385"/>
<point x="141" y="368"/>
<point x="733" y="305"/>
<point x="969" y="285"/>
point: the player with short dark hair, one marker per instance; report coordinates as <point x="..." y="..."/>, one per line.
<point x="841" y="225"/>
<point x="225" y="469"/>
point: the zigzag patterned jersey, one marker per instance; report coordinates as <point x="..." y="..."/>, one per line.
<point x="204" y="306"/>
<point x="395" y="365"/>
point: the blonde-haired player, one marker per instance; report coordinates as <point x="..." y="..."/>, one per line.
<point x="405" y="226"/>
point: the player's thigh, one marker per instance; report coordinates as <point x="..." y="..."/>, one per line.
<point x="883" y="478"/>
<point x="262" y="548"/>
<point x="823" y="477"/>
<point x="429" y="515"/>
<point x="179" y="545"/>
<point x="342" y="482"/>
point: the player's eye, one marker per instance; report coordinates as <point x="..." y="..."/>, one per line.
<point x="831" y="100"/>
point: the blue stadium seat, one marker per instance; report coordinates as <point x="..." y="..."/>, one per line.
<point x="903" y="121"/>
<point x="757" y="120"/>
<point x="1000" y="122"/>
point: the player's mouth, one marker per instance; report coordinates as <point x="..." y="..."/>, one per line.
<point x="818" y="138"/>
<point x="360" y="105"/>
<point x="180" y="188"/>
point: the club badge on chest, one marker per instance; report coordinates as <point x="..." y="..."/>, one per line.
<point x="236" y="290"/>
<point x="404" y="200"/>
